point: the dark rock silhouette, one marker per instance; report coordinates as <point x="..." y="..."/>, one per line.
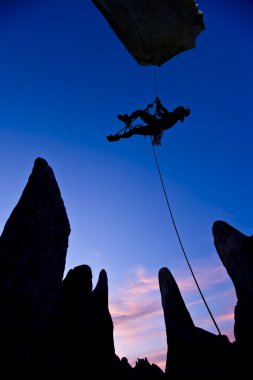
<point x="144" y="370"/>
<point x="33" y="249"/>
<point x="87" y="325"/>
<point x="53" y="328"/>
<point x="153" y="32"/>
<point x="192" y="351"/>
<point x="236" y="253"/>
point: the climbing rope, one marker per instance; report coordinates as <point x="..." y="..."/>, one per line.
<point x="179" y="239"/>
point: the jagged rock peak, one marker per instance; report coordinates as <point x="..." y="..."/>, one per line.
<point x="79" y="279"/>
<point x="175" y="311"/>
<point x="192" y="351"/>
<point x="236" y="253"/>
<point x="86" y="319"/>
<point x="41" y="199"/>
<point x="33" y="248"/>
<point x="33" y="245"/>
<point x="101" y="290"/>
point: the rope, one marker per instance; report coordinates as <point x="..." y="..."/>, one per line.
<point x="180" y="241"/>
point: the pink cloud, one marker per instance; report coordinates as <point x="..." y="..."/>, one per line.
<point x="138" y="318"/>
<point x="136" y="309"/>
<point x="226" y="317"/>
<point x="208" y="272"/>
<point x="145" y="283"/>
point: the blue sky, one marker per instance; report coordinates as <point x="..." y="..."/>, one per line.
<point x="64" y="77"/>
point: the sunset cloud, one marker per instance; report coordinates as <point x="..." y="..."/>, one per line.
<point x="136" y="309"/>
<point x="207" y="271"/>
<point x="138" y="318"/>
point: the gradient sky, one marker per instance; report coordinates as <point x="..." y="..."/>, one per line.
<point x="64" y="76"/>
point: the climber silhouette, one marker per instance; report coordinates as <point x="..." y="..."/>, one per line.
<point x="155" y="124"/>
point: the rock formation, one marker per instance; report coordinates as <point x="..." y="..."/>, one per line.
<point x="236" y="253"/>
<point x="194" y="352"/>
<point x="53" y="328"/>
<point x="153" y="31"/>
<point x="33" y="249"/>
<point x="87" y="325"/>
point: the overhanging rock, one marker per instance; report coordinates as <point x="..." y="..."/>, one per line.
<point x="153" y="31"/>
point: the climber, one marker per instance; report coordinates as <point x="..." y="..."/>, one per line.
<point x="155" y="124"/>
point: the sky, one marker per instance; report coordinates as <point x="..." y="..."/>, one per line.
<point x="64" y="77"/>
